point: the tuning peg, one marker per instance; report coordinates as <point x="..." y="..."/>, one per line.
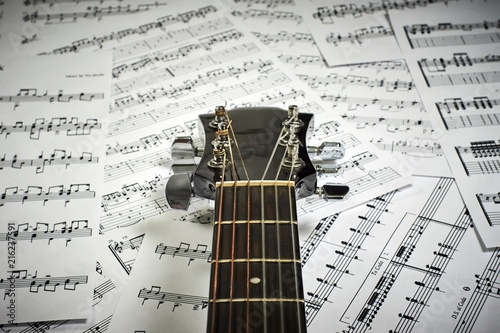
<point x="183" y="152"/>
<point x="179" y="191"/>
<point x="328" y="151"/>
<point x="333" y="191"/>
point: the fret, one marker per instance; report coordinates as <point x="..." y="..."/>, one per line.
<point x="296" y="300"/>
<point x="261" y="260"/>
<point x="256" y="222"/>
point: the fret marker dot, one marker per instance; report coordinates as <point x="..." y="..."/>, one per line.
<point x="255" y="280"/>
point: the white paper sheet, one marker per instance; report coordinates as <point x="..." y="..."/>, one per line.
<point x="53" y="127"/>
<point x="455" y="66"/>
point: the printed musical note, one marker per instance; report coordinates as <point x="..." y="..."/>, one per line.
<point x="327" y="14"/>
<point x="462" y="34"/>
<point x="41" y="231"/>
<point x="72" y="126"/>
<point x="484" y="150"/>
<point x="37" y="193"/>
<point x="23" y="279"/>
<point x="155" y="293"/>
<point x="58" y="157"/>
<point x="185" y="250"/>
<point x="92" y="12"/>
<point x="31" y="95"/>
<point x="490" y="204"/>
<point x="160" y="23"/>
<point x="126" y="251"/>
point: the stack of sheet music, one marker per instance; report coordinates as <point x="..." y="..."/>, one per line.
<point x="92" y="94"/>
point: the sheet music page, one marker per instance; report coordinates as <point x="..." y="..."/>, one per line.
<point x="170" y="279"/>
<point x="408" y="260"/>
<point x="455" y="66"/>
<point x="379" y="98"/>
<point x="41" y="26"/>
<point x="54" y="112"/>
<point x="164" y="75"/>
<point x="352" y="32"/>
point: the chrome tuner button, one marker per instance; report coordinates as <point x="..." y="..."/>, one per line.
<point x="332" y="191"/>
<point x="328" y="151"/>
<point x="178" y="191"/>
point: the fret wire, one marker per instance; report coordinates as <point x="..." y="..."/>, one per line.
<point x="256" y="222"/>
<point x="227" y="300"/>
<point x="265" y="260"/>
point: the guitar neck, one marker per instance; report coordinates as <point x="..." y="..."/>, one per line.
<point x="256" y="280"/>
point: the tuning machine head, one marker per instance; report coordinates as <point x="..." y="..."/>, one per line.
<point x="179" y="190"/>
<point x="328" y="151"/>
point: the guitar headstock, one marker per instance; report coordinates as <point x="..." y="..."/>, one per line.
<point x="255" y="143"/>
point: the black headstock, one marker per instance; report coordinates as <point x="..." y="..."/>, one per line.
<point x="255" y="143"/>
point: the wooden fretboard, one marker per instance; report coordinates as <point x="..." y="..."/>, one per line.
<point x="256" y="280"/>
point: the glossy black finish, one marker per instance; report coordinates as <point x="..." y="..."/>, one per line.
<point x="256" y="130"/>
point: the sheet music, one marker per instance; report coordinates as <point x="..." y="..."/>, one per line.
<point x="51" y="171"/>
<point x="425" y="270"/>
<point x="408" y="260"/>
<point x="173" y="60"/>
<point x="353" y="32"/>
<point x="378" y="98"/>
<point x="455" y="66"/>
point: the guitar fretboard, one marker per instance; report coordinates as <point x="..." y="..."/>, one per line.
<point x="256" y="282"/>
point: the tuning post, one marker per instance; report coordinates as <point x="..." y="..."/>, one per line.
<point x="292" y="124"/>
<point x="220" y="146"/>
<point x="292" y="161"/>
<point x="220" y="117"/>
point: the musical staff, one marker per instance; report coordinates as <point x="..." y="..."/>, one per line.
<point x="185" y="250"/>
<point x="455" y="66"/>
<point x="485" y="150"/>
<point x="126" y="251"/>
<point x="160" y="23"/>
<point x="456" y="113"/>
<point x="359" y="36"/>
<point x="23" y="279"/>
<point x="269" y="15"/>
<point x="490" y="204"/>
<point x="37" y="193"/>
<point x="31" y="95"/>
<point x="487" y="286"/>
<point x="462" y="79"/>
<point x="40" y="231"/>
<point x="58" y="157"/>
<point x="355" y="80"/>
<point x="327" y="14"/>
<point x="51" y="170"/>
<point x="460" y="59"/>
<point x="72" y="126"/>
<point x="462" y="34"/>
<point x="91" y="13"/>
<point x="101" y="290"/>
<point x="155" y="293"/>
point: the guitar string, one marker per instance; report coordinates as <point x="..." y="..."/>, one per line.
<point x="291" y="204"/>
<point x="217" y="248"/>
<point x="230" y="127"/>
<point x="264" y="284"/>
